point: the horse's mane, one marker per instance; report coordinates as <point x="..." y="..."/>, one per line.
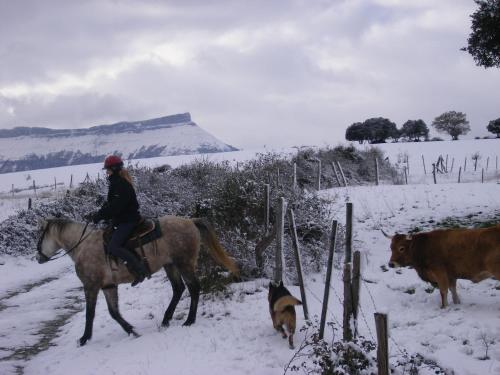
<point x="58" y="224"/>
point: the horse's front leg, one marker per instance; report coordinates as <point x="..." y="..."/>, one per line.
<point x="90" y="300"/>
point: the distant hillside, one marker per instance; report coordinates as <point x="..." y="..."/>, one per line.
<point x="28" y="148"/>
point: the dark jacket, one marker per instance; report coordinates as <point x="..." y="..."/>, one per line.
<point x="122" y="205"/>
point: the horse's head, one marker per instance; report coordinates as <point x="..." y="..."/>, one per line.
<point x="46" y="246"/>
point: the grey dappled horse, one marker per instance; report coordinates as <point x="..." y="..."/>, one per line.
<point x="176" y="251"/>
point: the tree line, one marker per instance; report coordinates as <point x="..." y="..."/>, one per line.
<point x="380" y="129"/>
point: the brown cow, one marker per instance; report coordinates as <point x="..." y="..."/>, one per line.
<point x="442" y="256"/>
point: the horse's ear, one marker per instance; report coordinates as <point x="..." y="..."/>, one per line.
<point x="281" y="283"/>
<point x="271" y="285"/>
<point x="41" y="223"/>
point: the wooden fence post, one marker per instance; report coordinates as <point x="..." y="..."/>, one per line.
<point x="465" y="164"/>
<point x="355" y="287"/>
<point x="346" y="278"/>
<point x="408" y="163"/>
<point x="452" y="164"/>
<point x="267" y="208"/>
<point x="342" y="174"/>
<point x="487" y="162"/>
<point x="382" y="344"/>
<point x="280" y="221"/>
<point x="446" y="164"/>
<point x="348" y="233"/>
<point x="318" y="177"/>
<point x="434" y="172"/>
<point x="71" y="182"/>
<point x="496" y="163"/>
<point x="482" y="175"/>
<point x="294" y="182"/>
<point x="459" y="174"/>
<point x="337" y="177"/>
<point x="34" y="187"/>
<point x="12" y="190"/>
<point x="326" y="294"/>
<point x="278" y="178"/>
<point x="406" y="175"/>
<point x="29" y="203"/>
<point x="423" y="163"/>
<point x="376" y="171"/>
<point x="55" y="184"/>
<point x="298" y="262"/>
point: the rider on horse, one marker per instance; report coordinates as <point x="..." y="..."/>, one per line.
<point x="122" y="209"/>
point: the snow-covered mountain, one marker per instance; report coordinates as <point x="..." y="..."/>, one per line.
<point x="25" y="148"/>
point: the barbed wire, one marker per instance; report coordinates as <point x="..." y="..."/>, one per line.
<point x="327" y="308"/>
<point x="369" y="293"/>
<point x="395" y="343"/>
<point x="403" y="352"/>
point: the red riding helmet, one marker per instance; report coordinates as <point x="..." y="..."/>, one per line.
<point x="113" y="162"/>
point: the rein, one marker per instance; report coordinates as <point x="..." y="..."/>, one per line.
<point x="47" y="259"/>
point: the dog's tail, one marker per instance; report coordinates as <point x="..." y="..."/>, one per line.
<point x="210" y="240"/>
<point x="282" y="303"/>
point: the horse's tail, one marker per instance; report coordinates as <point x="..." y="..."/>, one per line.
<point x="210" y="240"/>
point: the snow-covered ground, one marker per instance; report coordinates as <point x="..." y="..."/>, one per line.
<point x="397" y="152"/>
<point x="454" y="336"/>
<point x="233" y="333"/>
<point x="62" y="175"/>
<point x="456" y="151"/>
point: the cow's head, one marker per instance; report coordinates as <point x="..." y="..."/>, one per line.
<point x="401" y="251"/>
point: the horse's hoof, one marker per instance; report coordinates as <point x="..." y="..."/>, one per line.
<point x="134" y="333"/>
<point x="187" y="323"/>
<point x="165" y="324"/>
<point x="82" y="341"/>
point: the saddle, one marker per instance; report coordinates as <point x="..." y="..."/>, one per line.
<point x="148" y="230"/>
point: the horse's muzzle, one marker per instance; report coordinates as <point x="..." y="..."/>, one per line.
<point x="41" y="258"/>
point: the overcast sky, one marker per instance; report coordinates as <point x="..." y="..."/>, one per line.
<point x="253" y="73"/>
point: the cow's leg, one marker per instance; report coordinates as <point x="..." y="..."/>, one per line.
<point x="111" y="294"/>
<point x="90" y="300"/>
<point x="177" y="287"/>
<point x="443" y="284"/>
<point x="193" y="286"/>
<point x="453" y="290"/>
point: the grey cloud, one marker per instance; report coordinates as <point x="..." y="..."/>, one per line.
<point x="273" y="88"/>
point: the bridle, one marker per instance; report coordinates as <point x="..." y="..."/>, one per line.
<point x="45" y="258"/>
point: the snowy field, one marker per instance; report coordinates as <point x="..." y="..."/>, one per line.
<point x="233" y="334"/>
<point x="456" y="151"/>
<point x="62" y="175"/>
